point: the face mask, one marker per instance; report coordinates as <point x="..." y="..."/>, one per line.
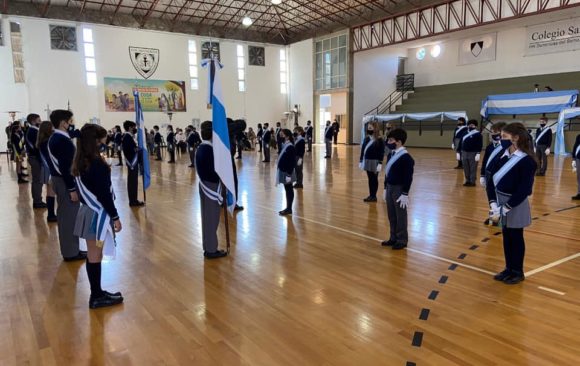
<point x="295" y="134"/>
<point x="71" y="128"/>
<point x="370" y="132"/>
<point x="506" y="143"/>
<point x="392" y="146"/>
<point x="472" y="128"/>
<point x="496" y="137"/>
<point x="542" y="125"/>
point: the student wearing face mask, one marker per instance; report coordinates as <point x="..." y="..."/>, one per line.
<point x="308" y="131"/>
<point x="470" y="147"/>
<point x="300" y="146"/>
<point x="61" y="151"/>
<point x="286" y="164"/>
<point x="158" y="140"/>
<point x="171" y="144"/>
<point x="18" y="151"/>
<point x="576" y="165"/>
<point x="118" y="141"/>
<point x="371" y="159"/>
<point x="458" y="134"/>
<point x="131" y="152"/>
<point x="266" y="142"/>
<point x="388" y="128"/>
<point x="398" y="180"/>
<point x="493" y="152"/>
<point x="511" y="184"/>
<point x="328" y="136"/>
<point x="543" y="143"/>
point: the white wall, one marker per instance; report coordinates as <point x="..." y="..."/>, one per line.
<point x="301" y="79"/>
<point x="374" y="76"/>
<point x="510" y="62"/>
<point x="53" y="77"/>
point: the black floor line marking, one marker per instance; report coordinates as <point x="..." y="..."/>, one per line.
<point x="433" y="295"/>
<point x="567" y="208"/>
<point x="452" y="267"/>
<point x="485" y="240"/>
<point x="417" y="339"/>
<point x="462" y="256"/>
<point x="498" y="233"/>
<point x="473" y="247"/>
<point x="443" y="279"/>
<point x="424" y="314"/>
<point x="409" y="363"/>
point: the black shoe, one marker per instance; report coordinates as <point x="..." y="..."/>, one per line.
<point x="486" y="222"/>
<point x="502" y="275"/>
<point x="239" y="208"/>
<point x="215" y="255"/>
<point x="285" y="212"/>
<point x="119" y="164"/>
<point x="137" y="204"/>
<point x="514" y="278"/>
<point x="39" y="205"/>
<point x="576" y="197"/>
<point x="113" y="294"/>
<point x="370" y="199"/>
<point x="388" y="243"/>
<point x="399" y="246"/>
<point x="158" y="159"/>
<point x="104" y="300"/>
<point x="52" y="219"/>
<point x="22" y="181"/>
<point x="171" y="162"/>
<point x="23" y="175"/>
<point x="327" y="157"/>
<point x="298" y="186"/>
<point x="79" y="257"/>
<point x="265" y="161"/>
<point x="191" y="166"/>
<point x="239" y="157"/>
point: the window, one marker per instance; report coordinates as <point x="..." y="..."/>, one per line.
<point x="192" y="56"/>
<point x="90" y="64"/>
<point x="241" y="69"/>
<point x="283" y="72"/>
<point x="331" y="60"/>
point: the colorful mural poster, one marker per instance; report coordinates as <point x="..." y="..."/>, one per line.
<point x="156" y="95"/>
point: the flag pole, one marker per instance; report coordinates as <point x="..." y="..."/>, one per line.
<point x="226" y="219"/>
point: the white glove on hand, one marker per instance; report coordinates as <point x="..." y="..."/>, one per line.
<point x="379" y="168"/>
<point x="403" y="201"/>
<point x="504" y="210"/>
<point x="288" y="180"/>
<point x="360" y="165"/>
<point x="574" y="166"/>
<point x="482" y="181"/>
<point x="299" y="163"/>
<point x="494" y="208"/>
<point x="458" y="156"/>
<point x="477" y="157"/>
<point x="453" y="146"/>
<point x="548" y="151"/>
<point x="267" y="146"/>
<point x="384" y="194"/>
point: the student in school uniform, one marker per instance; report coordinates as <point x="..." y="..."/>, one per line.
<point x="328" y="135"/>
<point x="492" y="154"/>
<point x="371" y="158"/>
<point x="131" y="152"/>
<point x="300" y="147"/>
<point x="193" y="141"/>
<point x="97" y="220"/>
<point x="45" y="130"/>
<point x="34" y="160"/>
<point x="61" y="151"/>
<point x="286" y="173"/>
<point x="118" y="140"/>
<point x="266" y="143"/>
<point x="210" y="192"/>
<point x="308" y="130"/>
<point x="388" y="128"/>
<point x="259" y="135"/>
<point x="171" y="144"/>
<point x="512" y="183"/>
<point x="398" y="180"/>
<point x="576" y="165"/>
<point x="279" y="139"/>
<point x="543" y="142"/>
<point x="471" y="145"/>
<point x="19" y="152"/>
<point x="458" y="134"/>
<point x="158" y="140"/>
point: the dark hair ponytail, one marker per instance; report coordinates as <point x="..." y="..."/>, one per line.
<point x="288" y="134"/>
<point x="524" y="142"/>
<point x="87" y="148"/>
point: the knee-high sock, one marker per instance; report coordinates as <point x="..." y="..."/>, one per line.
<point x="50" y="205"/>
<point x="94" y="273"/>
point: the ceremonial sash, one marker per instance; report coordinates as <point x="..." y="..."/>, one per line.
<point x="31" y="144"/>
<point x="577" y="151"/>
<point x="392" y="160"/>
<point x="460" y="129"/>
<point x="326" y="130"/>
<point x="283" y="151"/>
<point x="299" y="138"/>
<point x="493" y="154"/>
<point x="105" y="234"/>
<point x="512" y="161"/>
<point x="53" y="159"/>
<point x="133" y="163"/>
<point x="371" y="141"/>
<point x="542" y="134"/>
<point x="210" y="193"/>
<point x="471" y="133"/>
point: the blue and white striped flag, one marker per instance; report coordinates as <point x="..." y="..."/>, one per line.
<point x="146" y="172"/>
<point x="221" y="137"/>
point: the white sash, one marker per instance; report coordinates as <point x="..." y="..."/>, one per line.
<point x="31" y="144"/>
<point x="133" y="163"/>
<point x="105" y="232"/>
<point x="459" y="130"/>
<point x="577" y="151"/>
<point x="371" y="141"/>
<point x="53" y="159"/>
<point x="299" y="138"/>
<point x="542" y="134"/>
<point x="326" y="130"/>
<point x="512" y="161"/>
<point x="471" y="133"/>
<point x="283" y="151"/>
<point x="392" y="160"/>
<point x="211" y="194"/>
<point x="493" y="154"/>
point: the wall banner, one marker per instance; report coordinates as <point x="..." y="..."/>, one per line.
<point x="155" y="95"/>
<point x="552" y="37"/>
<point x="478" y="49"/>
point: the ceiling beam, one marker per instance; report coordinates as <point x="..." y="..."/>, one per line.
<point x="45" y="9"/>
<point x="115" y="12"/>
<point x="149" y="11"/>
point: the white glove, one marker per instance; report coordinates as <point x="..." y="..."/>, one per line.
<point x="288" y="180"/>
<point x="403" y="201"/>
<point x="267" y="146"/>
<point x="482" y="181"/>
<point x="384" y="194"/>
<point x="360" y="165"/>
<point x="494" y="213"/>
<point x="504" y="210"/>
<point x="299" y="162"/>
<point x="548" y="151"/>
<point x="494" y="207"/>
<point x="453" y="146"/>
<point x="458" y="156"/>
<point x="477" y="157"/>
<point x="379" y="168"/>
<point x="574" y="166"/>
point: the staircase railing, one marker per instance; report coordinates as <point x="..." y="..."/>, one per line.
<point x="405" y="83"/>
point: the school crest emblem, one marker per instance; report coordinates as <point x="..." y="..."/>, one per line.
<point x="145" y="60"/>
<point x="476" y="48"/>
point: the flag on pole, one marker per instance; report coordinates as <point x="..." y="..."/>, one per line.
<point x="146" y="171"/>
<point x="221" y="137"/>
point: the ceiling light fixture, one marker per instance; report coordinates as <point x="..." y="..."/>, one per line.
<point x="276" y="2"/>
<point x="247" y="21"/>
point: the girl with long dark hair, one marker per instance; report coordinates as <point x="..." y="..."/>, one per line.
<point x="97" y="220"/>
<point x="371" y="158"/>
<point x="287" y="168"/>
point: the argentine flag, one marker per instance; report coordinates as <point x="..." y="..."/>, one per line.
<point x="146" y="172"/>
<point x="221" y="137"/>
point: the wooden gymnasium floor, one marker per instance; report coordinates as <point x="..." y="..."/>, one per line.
<point x="312" y="289"/>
